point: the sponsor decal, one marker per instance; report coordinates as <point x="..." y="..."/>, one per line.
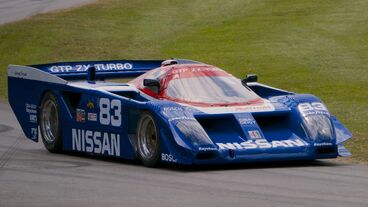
<point x="246" y="121"/>
<point x="20" y="74"/>
<point x="172" y="108"/>
<point x="84" y="68"/>
<point x="81" y="115"/>
<point x="172" y="111"/>
<point x="96" y="142"/>
<point x="167" y="110"/>
<point x="90" y="105"/>
<point x="207" y="149"/>
<point x="168" y="158"/>
<point x="34" y="133"/>
<point x="266" y="106"/>
<point x="255" y="134"/>
<point x="92" y="116"/>
<point x="33" y="118"/>
<point x="181" y="118"/>
<point x="263" y="144"/>
<point x="193" y="70"/>
<point x="314" y="108"/>
<point x="31" y="109"/>
<point x="255" y="108"/>
<point x="322" y="144"/>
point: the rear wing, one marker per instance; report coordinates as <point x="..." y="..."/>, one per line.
<point x="104" y="69"/>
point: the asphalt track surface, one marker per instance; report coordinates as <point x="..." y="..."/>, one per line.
<point x="13" y="10"/>
<point x="31" y="176"/>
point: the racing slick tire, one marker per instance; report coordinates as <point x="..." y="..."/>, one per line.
<point x="148" y="140"/>
<point x="50" y="123"/>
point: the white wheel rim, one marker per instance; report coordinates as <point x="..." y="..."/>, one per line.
<point x="147" y="137"/>
<point x="49" y="121"/>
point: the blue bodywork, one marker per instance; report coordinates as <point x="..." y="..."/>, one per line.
<point x="187" y="135"/>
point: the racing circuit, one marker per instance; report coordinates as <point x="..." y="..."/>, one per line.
<point x="31" y="176"/>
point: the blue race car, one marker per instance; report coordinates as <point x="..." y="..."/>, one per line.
<point x="174" y="111"/>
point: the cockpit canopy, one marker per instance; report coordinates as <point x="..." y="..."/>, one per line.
<point x="196" y="84"/>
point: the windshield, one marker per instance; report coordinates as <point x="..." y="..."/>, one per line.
<point x="210" y="90"/>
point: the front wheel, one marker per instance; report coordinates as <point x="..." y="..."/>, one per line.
<point x="148" y="141"/>
<point x="50" y="125"/>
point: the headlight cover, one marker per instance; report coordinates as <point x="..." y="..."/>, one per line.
<point x="194" y="132"/>
<point x="318" y="127"/>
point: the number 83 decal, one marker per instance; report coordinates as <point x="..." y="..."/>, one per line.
<point x="110" y="112"/>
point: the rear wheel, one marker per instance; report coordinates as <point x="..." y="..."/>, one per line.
<point x="148" y="141"/>
<point x="50" y="124"/>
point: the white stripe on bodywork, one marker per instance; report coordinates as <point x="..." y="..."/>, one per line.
<point x="118" y="88"/>
<point x="30" y="73"/>
<point x="266" y="86"/>
<point x="266" y="106"/>
<point x="127" y="88"/>
<point x="111" y="89"/>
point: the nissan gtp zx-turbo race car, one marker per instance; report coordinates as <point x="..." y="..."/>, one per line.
<point x="176" y="111"/>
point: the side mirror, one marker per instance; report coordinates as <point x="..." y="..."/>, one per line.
<point x="153" y="84"/>
<point x="169" y="62"/>
<point x="249" y="79"/>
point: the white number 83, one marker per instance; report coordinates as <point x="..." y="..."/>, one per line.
<point x="305" y="107"/>
<point x="105" y="117"/>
